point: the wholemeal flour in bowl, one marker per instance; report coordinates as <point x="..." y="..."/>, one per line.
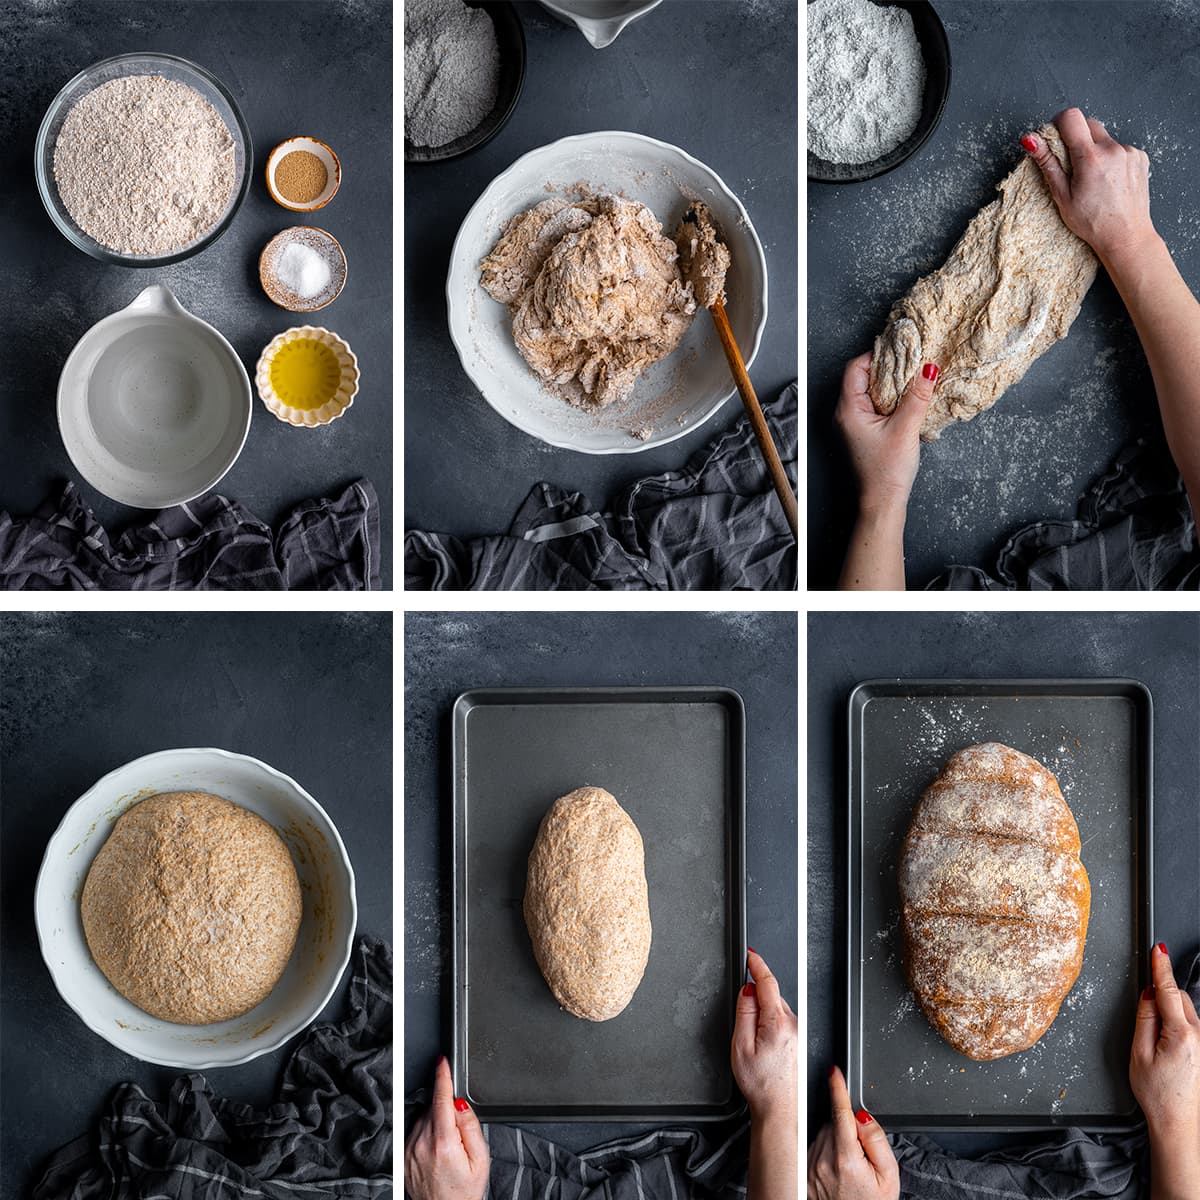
<point x="866" y="79"/>
<point x="144" y="164"/>
<point x="451" y="70"/>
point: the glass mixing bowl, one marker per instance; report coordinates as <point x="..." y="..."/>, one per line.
<point x="169" y="67"/>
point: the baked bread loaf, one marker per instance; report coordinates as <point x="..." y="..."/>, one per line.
<point x="191" y="907"/>
<point x="994" y="901"/>
<point x="586" y="904"/>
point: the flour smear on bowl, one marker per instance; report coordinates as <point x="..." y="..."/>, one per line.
<point x="144" y="165"/>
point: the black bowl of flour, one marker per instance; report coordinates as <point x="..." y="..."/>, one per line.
<point x="935" y="50"/>
<point x="510" y="43"/>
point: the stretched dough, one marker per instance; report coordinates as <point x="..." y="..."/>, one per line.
<point x="1009" y="290"/>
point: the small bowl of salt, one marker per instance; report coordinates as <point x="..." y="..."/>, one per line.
<point x="302" y="268"/>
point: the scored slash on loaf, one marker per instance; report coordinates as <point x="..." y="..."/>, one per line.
<point x="994" y="901"/>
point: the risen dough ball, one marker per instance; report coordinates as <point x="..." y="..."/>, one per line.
<point x="192" y="907"/>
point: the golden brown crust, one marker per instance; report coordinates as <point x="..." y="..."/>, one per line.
<point x="994" y="901"/>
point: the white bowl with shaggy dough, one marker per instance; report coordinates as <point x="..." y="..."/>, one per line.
<point x="674" y="396"/>
<point x="326" y="927"/>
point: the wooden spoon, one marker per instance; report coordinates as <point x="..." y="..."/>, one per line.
<point x="690" y="245"/>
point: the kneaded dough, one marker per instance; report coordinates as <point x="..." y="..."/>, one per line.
<point x="586" y="904"/>
<point x="595" y="292"/>
<point x="1009" y="290"/>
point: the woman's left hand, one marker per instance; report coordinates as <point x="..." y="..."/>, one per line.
<point x="885" y="451"/>
<point x="446" y="1157"/>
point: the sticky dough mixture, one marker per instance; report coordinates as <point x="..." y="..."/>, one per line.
<point x="595" y="291"/>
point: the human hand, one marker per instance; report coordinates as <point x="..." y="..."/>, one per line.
<point x="763" y="1052"/>
<point x="885" y="451"/>
<point x="1106" y="198"/>
<point x="850" y="1159"/>
<point x="1164" y="1070"/>
<point x="446" y="1157"/>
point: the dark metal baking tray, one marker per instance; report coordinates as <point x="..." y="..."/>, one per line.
<point x="1096" y="736"/>
<point x="675" y="760"/>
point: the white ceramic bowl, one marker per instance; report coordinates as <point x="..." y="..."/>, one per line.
<point x="326" y="928"/>
<point x="677" y="394"/>
<point x="600" y="21"/>
<point x="153" y="404"/>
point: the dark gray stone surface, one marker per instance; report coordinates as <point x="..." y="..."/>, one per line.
<point x="321" y="67"/>
<point x="717" y="79"/>
<point x="1036" y="452"/>
<point x="80" y="695"/>
<point x="445" y="654"/>
<point x="1162" y="650"/>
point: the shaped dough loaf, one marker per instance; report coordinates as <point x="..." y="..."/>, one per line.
<point x="1009" y="290"/>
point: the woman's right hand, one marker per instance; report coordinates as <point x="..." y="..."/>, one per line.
<point x="1164" y="1064"/>
<point x="763" y="1051"/>
<point x="850" y="1159"/>
<point x="1164" y="1072"/>
<point x="1105" y="199"/>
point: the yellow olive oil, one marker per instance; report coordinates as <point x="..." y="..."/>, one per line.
<point x="305" y="373"/>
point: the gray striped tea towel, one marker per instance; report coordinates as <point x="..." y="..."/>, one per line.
<point x="1073" y="1165"/>
<point x="1134" y="530"/>
<point x="208" y="543"/>
<point x="328" y="1135"/>
<point x="666" y="1164"/>
<point x="716" y="524"/>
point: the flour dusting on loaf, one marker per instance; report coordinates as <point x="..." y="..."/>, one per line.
<point x="994" y="901"/>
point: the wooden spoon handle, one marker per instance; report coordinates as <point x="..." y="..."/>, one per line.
<point x="758" y="422"/>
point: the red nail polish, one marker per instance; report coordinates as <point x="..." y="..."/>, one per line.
<point x="1148" y="993"/>
<point x="748" y="990"/>
<point x="930" y="371"/>
<point x="752" y="949"/>
<point x="460" y="1105"/>
<point x="832" y="1072"/>
<point x="863" y="1117"/>
<point x="441" y="1059"/>
<point x="1162" y="947"/>
<point x="1028" y="142"/>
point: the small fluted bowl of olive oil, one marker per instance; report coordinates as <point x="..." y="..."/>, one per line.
<point x="307" y="376"/>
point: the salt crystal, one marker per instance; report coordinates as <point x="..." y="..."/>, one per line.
<point x="301" y="270"/>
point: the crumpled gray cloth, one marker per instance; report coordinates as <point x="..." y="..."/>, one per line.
<point x="717" y="524"/>
<point x="661" y="1165"/>
<point x="1071" y="1165"/>
<point x="328" y="1135"/>
<point x="208" y="543"/>
<point x="1134" y="530"/>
